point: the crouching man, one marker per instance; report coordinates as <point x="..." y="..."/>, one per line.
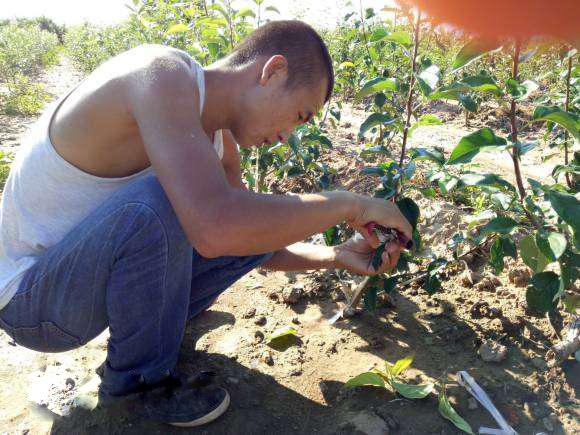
<point x="124" y="208"/>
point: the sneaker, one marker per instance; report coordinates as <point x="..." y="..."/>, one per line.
<point x="175" y="402"/>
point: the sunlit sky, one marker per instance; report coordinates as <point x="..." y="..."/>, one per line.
<point x="320" y="13"/>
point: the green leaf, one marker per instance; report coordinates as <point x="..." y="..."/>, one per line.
<point x="471" y="51"/>
<point x="502" y="200"/>
<point x="544" y="287"/>
<point x="378" y="256"/>
<point x="428" y="79"/>
<point x="281" y="333"/>
<point x="432" y="154"/>
<point x="551" y="244"/>
<point x="401" y="38"/>
<point x="332" y="236"/>
<point x="380" y="99"/>
<point x="429" y="192"/>
<point x="468" y="103"/>
<point x="531" y="254"/>
<point x="502" y="247"/>
<point x="411" y="391"/>
<point x="177" y="28"/>
<point x="524" y="147"/>
<point x="567" y="120"/>
<point x="469" y="146"/>
<point x="572" y="303"/>
<point x="272" y="9"/>
<point x="377" y="84"/>
<point x="370" y="298"/>
<point x="410" y="210"/>
<point x="447" y="411"/>
<point x="425" y="120"/>
<point x="500" y="225"/>
<point x="475" y="83"/>
<point x="400" y="366"/>
<point x="493" y="180"/>
<point x="346" y="64"/>
<point x="568" y="208"/>
<point x="246" y="12"/>
<point x="569" y="267"/>
<point x="373" y="120"/>
<point x="521" y="91"/>
<point x="432" y="283"/>
<point x="364" y="379"/>
<point x="390" y="283"/>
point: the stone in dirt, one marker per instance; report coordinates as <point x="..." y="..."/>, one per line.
<point x="260" y="321"/>
<point x="539" y="363"/>
<point x="491" y="351"/>
<point x="258" y="336"/>
<point x="291" y="295"/>
<point x="250" y="312"/>
<point x="489" y="283"/>
<point x="267" y="358"/>
<point x="520" y="275"/>
<point x="472" y="404"/>
<point x="365" y="422"/>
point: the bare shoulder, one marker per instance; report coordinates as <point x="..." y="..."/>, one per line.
<point x="156" y="72"/>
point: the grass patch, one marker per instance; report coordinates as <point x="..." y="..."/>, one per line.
<point x="23" y="97"/>
<point x="5" y="161"/>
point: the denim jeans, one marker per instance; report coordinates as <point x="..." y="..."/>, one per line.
<point x="129" y="267"/>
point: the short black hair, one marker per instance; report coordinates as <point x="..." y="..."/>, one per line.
<point x="307" y="55"/>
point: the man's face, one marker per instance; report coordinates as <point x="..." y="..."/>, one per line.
<point x="272" y="111"/>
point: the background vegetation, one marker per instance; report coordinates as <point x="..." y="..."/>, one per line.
<point x="396" y="69"/>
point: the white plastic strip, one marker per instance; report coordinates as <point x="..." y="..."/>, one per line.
<point x="464" y="379"/>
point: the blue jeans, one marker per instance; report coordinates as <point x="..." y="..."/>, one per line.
<point x="129" y="267"/>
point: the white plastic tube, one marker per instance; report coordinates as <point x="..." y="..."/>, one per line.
<point x="464" y="379"/>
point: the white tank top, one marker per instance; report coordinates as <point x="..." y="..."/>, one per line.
<point x="45" y="196"/>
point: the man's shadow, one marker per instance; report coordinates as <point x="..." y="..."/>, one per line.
<point x="259" y="404"/>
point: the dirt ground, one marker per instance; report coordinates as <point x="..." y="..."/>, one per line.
<point x="299" y="388"/>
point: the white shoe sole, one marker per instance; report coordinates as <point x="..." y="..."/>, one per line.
<point x="209" y="417"/>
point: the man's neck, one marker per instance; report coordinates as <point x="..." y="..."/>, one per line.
<point x="223" y="93"/>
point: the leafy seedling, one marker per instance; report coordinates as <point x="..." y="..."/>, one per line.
<point x="389" y="376"/>
<point x="283" y="338"/>
<point x="447" y="411"/>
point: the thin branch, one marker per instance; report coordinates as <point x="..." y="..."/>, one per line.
<point x="566" y="107"/>
<point x="409" y="105"/>
<point x="514" y="124"/>
<point x="364" y="32"/>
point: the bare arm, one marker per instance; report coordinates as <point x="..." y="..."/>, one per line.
<point x="302" y="256"/>
<point x="231" y="161"/>
<point x="354" y="255"/>
<point x="218" y="219"/>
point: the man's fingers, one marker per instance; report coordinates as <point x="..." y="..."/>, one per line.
<point x="371" y="238"/>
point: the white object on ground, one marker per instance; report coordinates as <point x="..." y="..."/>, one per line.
<point x="465" y="380"/>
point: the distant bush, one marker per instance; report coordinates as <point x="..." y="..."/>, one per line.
<point x="24" y="50"/>
<point x="89" y="45"/>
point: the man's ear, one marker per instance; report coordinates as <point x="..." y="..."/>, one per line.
<point x="275" y="67"/>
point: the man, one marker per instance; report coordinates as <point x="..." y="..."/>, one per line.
<point x="118" y="212"/>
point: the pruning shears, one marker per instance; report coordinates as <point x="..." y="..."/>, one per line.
<point x="385" y="236"/>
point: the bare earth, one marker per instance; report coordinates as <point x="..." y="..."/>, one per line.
<point x="299" y="388"/>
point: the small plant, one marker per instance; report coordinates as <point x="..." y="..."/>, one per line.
<point x="389" y="378"/>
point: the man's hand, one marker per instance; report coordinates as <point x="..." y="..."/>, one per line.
<point x="356" y="254"/>
<point x="381" y="212"/>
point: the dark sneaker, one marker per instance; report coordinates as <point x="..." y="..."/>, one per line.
<point x="175" y="402"/>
